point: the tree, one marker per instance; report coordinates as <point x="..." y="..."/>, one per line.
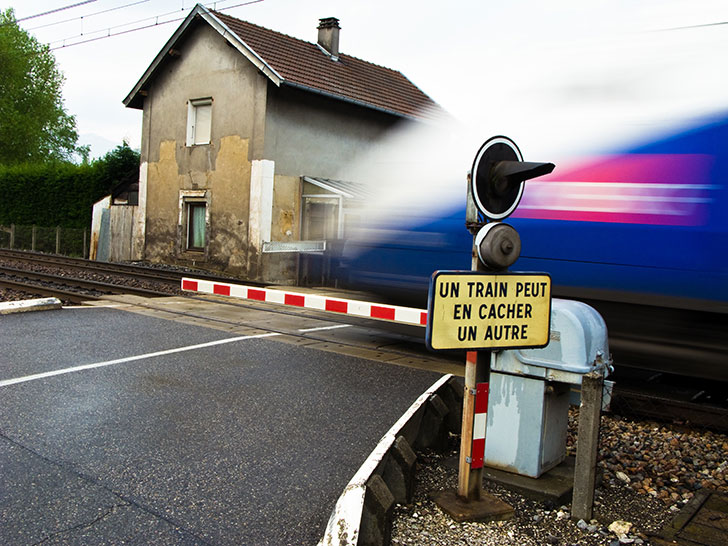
<point x="34" y="125"/>
<point x="118" y="166"/>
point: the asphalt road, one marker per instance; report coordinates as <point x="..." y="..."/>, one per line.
<point x="242" y="442"/>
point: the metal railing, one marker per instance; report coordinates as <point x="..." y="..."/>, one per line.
<point x="56" y="240"/>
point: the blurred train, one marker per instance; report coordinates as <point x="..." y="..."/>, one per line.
<point x="640" y="233"/>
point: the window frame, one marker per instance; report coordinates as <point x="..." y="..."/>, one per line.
<point x="189" y="244"/>
<point x="188" y="200"/>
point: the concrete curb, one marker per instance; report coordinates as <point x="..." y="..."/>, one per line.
<point x="24" y="306"/>
<point x="363" y="514"/>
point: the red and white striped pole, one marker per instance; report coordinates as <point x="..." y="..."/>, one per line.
<point x="472" y="434"/>
<point x="479" y="425"/>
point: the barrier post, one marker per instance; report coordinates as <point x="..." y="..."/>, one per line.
<point x="587" y="443"/>
<point x="477" y="370"/>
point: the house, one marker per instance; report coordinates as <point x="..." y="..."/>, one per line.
<point x="245" y="134"/>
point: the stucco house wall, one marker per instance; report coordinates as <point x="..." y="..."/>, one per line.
<point x="252" y="119"/>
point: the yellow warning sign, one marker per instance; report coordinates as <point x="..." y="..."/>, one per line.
<point x="474" y="310"/>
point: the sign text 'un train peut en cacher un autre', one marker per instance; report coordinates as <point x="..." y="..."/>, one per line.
<point x="475" y="310"/>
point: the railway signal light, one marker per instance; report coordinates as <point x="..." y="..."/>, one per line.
<point x="499" y="175"/>
<point x="498" y="246"/>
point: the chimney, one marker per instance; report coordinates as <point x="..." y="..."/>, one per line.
<point x="328" y="36"/>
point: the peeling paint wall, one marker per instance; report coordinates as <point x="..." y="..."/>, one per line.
<point x="96" y="222"/>
<point x="140" y="215"/>
<point x="310" y="135"/>
<point x="207" y="67"/>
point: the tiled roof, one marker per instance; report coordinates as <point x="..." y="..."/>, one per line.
<point x="304" y="64"/>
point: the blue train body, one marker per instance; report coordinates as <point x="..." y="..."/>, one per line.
<point x="647" y="223"/>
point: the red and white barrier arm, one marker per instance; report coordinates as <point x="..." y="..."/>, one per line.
<point x="392" y="313"/>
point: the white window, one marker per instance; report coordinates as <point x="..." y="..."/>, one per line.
<point x="199" y="119"/>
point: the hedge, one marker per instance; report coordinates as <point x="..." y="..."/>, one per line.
<point x="61" y="194"/>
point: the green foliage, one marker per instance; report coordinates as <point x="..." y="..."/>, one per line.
<point x="62" y="194"/>
<point x="119" y="165"/>
<point x="34" y="126"/>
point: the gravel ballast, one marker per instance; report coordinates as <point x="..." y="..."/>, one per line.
<point x="649" y="471"/>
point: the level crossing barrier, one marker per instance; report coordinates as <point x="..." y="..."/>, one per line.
<point x="391" y="313"/>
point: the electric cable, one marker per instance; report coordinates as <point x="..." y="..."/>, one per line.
<point x="54" y="11"/>
<point x="156" y="22"/>
<point x="80" y="17"/>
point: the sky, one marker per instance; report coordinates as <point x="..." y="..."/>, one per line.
<point x="557" y="76"/>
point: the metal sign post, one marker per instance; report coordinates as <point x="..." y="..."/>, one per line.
<point x="470" y="480"/>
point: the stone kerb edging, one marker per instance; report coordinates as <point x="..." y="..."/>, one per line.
<point x="363" y="513"/>
<point x="23" y="306"/>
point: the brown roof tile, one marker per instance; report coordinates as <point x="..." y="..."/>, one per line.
<point x="302" y="63"/>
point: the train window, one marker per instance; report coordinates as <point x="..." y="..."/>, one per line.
<point x="328" y="207"/>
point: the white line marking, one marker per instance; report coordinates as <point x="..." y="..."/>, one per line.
<point x="324" y="328"/>
<point x="113" y="306"/>
<point x="43" y="375"/>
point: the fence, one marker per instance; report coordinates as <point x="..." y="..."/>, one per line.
<point x="57" y="240"/>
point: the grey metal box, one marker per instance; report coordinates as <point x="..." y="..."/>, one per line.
<point x="528" y="406"/>
<point x="527" y="424"/>
<point x="577" y="345"/>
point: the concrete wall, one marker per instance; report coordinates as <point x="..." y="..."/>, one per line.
<point x="99" y="234"/>
<point x="309" y="134"/>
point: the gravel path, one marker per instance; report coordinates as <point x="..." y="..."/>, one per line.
<point x="649" y="470"/>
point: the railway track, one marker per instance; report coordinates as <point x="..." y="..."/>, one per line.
<point x="672" y="398"/>
<point x="75" y="280"/>
<point x="643" y="393"/>
<point x="23" y="287"/>
<point x="75" y="289"/>
<point x="106" y="268"/>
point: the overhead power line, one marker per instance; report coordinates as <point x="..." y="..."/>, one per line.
<point x="155" y="19"/>
<point x="54" y="10"/>
<point x="80" y="17"/>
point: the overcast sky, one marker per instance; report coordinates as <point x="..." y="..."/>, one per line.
<point x="535" y="70"/>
